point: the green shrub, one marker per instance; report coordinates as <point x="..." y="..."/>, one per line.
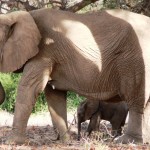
<point x="109" y="4"/>
<point x="9" y="82"/>
<point x="41" y="104"/>
<point x="73" y="100"/>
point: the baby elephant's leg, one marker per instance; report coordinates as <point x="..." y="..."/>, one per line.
<point x="94" y="123"/>
<point x="116" y="123"/>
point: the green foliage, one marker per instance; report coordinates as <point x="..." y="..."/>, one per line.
<point x="92" y="7"/>
<point x="41" y="104"/>
<point x="73" y="100"/>
<point x="111" y="4"/>
<point x="9" y="82"/>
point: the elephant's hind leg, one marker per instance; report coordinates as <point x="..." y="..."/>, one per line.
<point x="58" y="109"/>
<point x="135" y="99"/>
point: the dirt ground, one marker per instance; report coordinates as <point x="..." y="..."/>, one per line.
<point x="41" y="135"/>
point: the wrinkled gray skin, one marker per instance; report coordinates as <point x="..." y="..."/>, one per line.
<point x="95" y="110"/>
<point x="97" y="55"/>
<point x="2" y="94"/>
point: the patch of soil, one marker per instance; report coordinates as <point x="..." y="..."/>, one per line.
<point x="43" y="137"/>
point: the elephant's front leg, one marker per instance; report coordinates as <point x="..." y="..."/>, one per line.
<point x="58" y="109"/>
<point x="32" y="83"/>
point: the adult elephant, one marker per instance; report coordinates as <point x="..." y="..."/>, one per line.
<point x="98" y="55"/>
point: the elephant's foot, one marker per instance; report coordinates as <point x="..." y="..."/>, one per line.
<point x="15" y="138"/>
<point x="65" y="137"/>
<point x="62" y="137"/>
<point x="125" y="139"/>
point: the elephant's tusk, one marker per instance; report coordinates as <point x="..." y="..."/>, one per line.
<point x="53" y="87"/>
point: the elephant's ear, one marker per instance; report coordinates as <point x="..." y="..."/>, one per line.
<point x="19" y="39"/>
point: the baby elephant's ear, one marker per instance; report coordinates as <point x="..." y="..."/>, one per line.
<point x="19" y="39"/>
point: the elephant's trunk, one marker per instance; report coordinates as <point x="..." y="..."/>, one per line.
<point x="2" y="94"/>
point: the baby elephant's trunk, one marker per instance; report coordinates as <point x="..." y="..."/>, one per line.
<point x="79" y="128"/>
<point x="81" y="116"/>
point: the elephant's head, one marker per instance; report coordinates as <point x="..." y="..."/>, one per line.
<point x="19" y="39"/>
<point x="85" y="111"/>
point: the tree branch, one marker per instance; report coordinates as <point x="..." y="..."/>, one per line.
<point x="80" y="5"/>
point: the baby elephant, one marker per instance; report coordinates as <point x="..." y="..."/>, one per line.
<point x="95" y="110"/>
